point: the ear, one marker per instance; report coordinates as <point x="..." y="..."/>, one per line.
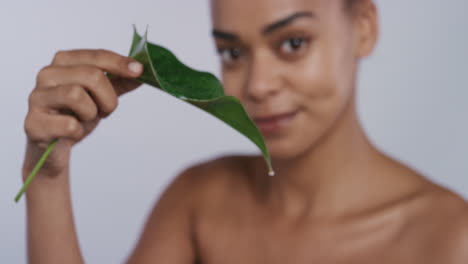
<point x="367" y="27"/>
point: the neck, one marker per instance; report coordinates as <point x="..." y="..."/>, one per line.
<point x="333" y="175"/>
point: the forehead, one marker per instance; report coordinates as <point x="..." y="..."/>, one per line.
<point x="232" y="14"/>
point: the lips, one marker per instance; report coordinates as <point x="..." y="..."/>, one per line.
<point x="275" y="122"/>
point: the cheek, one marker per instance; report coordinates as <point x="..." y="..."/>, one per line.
<point x="323" y="85"/>
<point x="324" y="80"/>
<point x="316" y="83"/>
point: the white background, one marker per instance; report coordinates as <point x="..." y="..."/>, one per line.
<point x="412" y="100"/>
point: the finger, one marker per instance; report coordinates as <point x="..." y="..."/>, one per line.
<point x="106" y="60"/>
<point x="43" y="128"/>
<point x="70" y="97"/>
<point x="124" y="85"/>
<point x="91" y="78"/>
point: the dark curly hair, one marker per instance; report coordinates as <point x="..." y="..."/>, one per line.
<point x="351" y="3"/>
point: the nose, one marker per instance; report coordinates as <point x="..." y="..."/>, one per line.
<point x="262" y="79"/>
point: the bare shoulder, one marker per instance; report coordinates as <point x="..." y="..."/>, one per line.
<point x="213" y="179"/>
<point x="169" y="231"/>
<point x="440" y="224"/>
<point x="453" y="214"/>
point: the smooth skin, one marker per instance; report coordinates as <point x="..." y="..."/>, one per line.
<point x="335" y="197"/>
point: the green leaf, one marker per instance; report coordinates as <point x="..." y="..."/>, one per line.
<point x="202" y="89"/>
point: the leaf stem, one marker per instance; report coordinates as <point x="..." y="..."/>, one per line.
<point x="36" y="169"/>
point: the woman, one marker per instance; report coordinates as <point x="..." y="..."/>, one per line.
<point x="335" y="197"/>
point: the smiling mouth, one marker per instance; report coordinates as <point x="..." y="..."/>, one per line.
<point x="274" y="123"/>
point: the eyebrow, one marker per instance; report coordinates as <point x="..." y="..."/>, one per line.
<point x="268" y="28"/>
<point x="286" y="21"/>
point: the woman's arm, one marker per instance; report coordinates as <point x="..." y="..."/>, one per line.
<point x="51" y="233"/>
<point x="71" y="96"/>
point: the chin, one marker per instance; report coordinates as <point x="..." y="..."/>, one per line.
<point x="295" y="138"/>
<point x="290" y="148"/>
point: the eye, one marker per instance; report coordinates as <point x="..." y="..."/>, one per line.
<point x="292" y="45"/>
<point x="229" y="55"/>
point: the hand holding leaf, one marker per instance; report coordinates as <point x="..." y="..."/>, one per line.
<point x="201" y="89"/>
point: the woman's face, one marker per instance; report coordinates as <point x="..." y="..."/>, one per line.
<point x="292" y="63"/>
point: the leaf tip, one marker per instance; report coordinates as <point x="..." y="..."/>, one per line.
<point x="146" y="33"/>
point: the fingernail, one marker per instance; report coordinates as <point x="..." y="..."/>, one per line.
<point x="135" y="67"/>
